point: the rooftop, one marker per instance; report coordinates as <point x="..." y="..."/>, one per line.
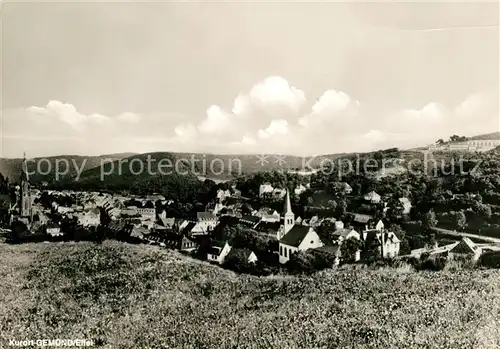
<point x="295" y="236"/>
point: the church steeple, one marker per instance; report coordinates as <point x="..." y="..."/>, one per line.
<point x="289" y="216"/>
<point x="288" y="205"/>
<point x="24" y="170"/>
<point x="25" y="204"/>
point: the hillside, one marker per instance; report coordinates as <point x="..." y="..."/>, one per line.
<point x="212" y="166"/>
<point x="488" y="136"/>
<point x="45" y="171"/>
<point x="126" y="296"/>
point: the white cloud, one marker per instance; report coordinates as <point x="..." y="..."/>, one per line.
<point x="276" y="127"/>
<point x="270" y="118"/>
<point x="331" y="106"/>
<point x="217" y="121"/>
<point x="432" y="112"/>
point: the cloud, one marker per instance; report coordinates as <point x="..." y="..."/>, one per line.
<point x="432" y="112"/>
<point x="217" y="121"/>
<point x="276" y="127"/>
<point x="67" y="113"/>
<point x="272" y="117"/>
<point x="271" y="92"/>
<point x="331" y="106"/>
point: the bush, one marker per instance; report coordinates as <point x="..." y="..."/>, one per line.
<point x="490" y="260"/>
<point x="433" y="263"/>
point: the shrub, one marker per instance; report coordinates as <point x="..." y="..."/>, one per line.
<point x="490" y="259"/>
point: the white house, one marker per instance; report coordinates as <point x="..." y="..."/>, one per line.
<point x="299" y="190"/>
<point x="223" y="194"/>
<point x="147" y="212"/>
<point x="406" y="205"/>
<point x="373" y="198"/>
<point x="54" y="229"/>
<point x="187" y="244"/>
<point x="344" y="234"/>
<point x="293" y="238"/>
<point x="206" y="220"/>
<point x="273" y="217"/>
<point x="218" y="252"/>
<point x="265" y="188"/>
<point x="389" y="243"/>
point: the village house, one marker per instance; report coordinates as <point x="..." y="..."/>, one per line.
<point x="406" y="205"/>
<point x="146" y="212"/>
<point x="207" y="221"/>
<point x="293" y="238"/>
<point x="250" y="221"/>
<point x="264" y="189"/>
<point x="187" y="244"/>
<point x="464" y="248"/>
<point x="223" y="195"/>
<point x="361" y="222"/>
<point x="299" y="190"/>
<point x="54" y="229"/>
<point x="344" y="234"/>
<point x="346" y="187"/>
<point x="167" y="222"/>
<point x="388" y="243"/>
<point x="373" y="198"/>
<point x="218" y="252"/>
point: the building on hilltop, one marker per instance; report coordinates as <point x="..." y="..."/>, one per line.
<point x="467" y="146"/>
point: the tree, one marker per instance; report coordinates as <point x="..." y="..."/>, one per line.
<point x="301" y="262"/>
<point x="341" y="209"/>
<point x="429" y="220"/>
<point x="332" y="204"/>
<point x="237" y="261"/>
<point x="460" y="221"/>
<point x="440" y="141"/>
<point x="349" y="249"/>
<point x="483" y="210"/>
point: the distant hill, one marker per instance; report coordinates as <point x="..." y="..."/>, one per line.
<point x="212" y="166"/>
<point x="44" y="168"/>
<point x="486" y="137"/>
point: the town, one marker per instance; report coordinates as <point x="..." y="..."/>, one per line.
<point x="277" y="228"/>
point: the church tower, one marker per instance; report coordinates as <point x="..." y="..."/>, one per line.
<point x="25" y="202"/>
<point x="289" y="217"/>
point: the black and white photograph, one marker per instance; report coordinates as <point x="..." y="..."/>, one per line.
<point x="250" y="174"/>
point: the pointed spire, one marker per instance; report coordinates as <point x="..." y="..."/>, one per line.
<point x="288" y="205"/>
<point x="24" y="171"/>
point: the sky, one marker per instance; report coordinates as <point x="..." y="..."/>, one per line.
<point x="94" y="78"/>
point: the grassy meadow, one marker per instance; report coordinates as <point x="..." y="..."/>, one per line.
<point x="132" y="296"/>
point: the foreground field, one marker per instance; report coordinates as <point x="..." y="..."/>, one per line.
<point x="125" y="296"/>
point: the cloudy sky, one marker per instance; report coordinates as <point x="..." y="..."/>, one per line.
<point x="285" y="78"/>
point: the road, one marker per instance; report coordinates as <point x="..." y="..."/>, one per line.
<point x="472" y="236"/>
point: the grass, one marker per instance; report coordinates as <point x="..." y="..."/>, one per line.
<point x="127" y="296"/>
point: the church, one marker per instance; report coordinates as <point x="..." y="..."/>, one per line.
<point x="24" y="202"/>
<point x="292" y="237"/>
